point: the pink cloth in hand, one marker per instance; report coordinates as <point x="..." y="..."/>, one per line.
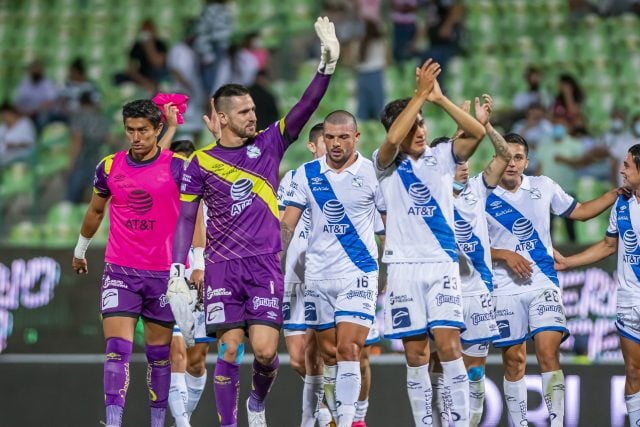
<point x="177" y="99"/>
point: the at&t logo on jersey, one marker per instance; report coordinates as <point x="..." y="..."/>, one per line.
<point x="421" y="196"/>
<point x="334" y="212"/>
<point x="306" y="222"/>
<point x="464" y="233"/>
<point x="630" y="242"/>
<point x="240" y="193"/>
<point x="523" y="230"/>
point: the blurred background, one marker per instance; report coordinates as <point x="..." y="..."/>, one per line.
<point x="563" y="73"/>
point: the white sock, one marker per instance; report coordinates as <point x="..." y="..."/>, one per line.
<point x="553" y="392"/>
<point x="324" y="417"/>
<point x="329" y="378"/>
<point x="456" y="385"/>
<point x="633" y="408"/>
<point x="178" y="399"/>
<point x="311" y="397"/>
<point x="515" y="393"/>
<point x="195" y="387"/>
<point x="361" y="410"/>
<point x="347" y="391"/>
<point x="420" y="394"/>
<point x="476" y="401"/>
<point x="439" y="404"/>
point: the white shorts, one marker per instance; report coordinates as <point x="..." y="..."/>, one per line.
<point x="328" y="302"/>
<point x="422" y="296"/>
<point x="374" y="334"/>
<point x="522" y="316"/>
<point x="200" y="330"/>
<point x="628" y="323"/>
<point x="293" y="309"/>
<point x="479" y="319"/>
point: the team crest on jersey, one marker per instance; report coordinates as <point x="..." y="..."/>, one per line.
<point x="430" y="160"/>
<point x="357" y="182"/>
<point x="535" y="194"/>
<point x="253" y="152"/>
<point x="469" y="198"/>
<point x="241" y="193"/>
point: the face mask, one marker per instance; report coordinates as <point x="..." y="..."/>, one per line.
<point x="457" y="186"/>
<point x="636" y="128"/>
<point x="617" y="125"/>
<point x="534" y="87"/>
<point x="558" y="131"/>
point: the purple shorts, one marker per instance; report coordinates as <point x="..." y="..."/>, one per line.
<point x="243" y="292"/>
<point x="131" y="292"/>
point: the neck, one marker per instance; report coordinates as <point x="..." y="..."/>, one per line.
<point x="511" y="185"/>
<point x="139" y="157"/>
<point x="339" y="167"/>
<point x="229" y="139"/>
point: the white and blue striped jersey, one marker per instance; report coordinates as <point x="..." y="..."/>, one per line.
<point x="343" y="205"/>
<point x="519" y="221"/>
<point x="419" y="199"/>
<point x="624" y="223"/>
<point x="472" y="237"/>
<point x="296" y="253"/>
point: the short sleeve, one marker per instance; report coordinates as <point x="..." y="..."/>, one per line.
<point x="297" y="195"/>
<point x="445" y="156"/>
<point x="612" y="229"/>
<point x="478" y="186"/>
<point x="191" y="189"/>
<point x="285" y="183"/>
<point x="561" y="203"/>
<point x="378" y="224"/>
<point x="381" y="205"/>
<point x="178" y="163"/>
<point x="100" y="186"/>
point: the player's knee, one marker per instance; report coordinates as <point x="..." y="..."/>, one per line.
<point x="349" y="351"/>
<point x="298" y="365"/>
<point x="632" y="371"/>
<point x="449" y="350"/>
<point x="476" y="373"/>
<point x="265" y="356"/>
<point x="231" y="352"/>
<point x="514" y="367"/>
<point x="196" y="365"/>
<point x="549" y="360"/>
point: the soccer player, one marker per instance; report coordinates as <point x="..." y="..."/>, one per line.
<point x="188" y="370"/>
<point x="527" y="298"/>
<point x="301" y="342"/>
<point x="474" y="253"/>
<point x="423" y="282"/>
<point x="142" y="186"/>
<point x="341" y="269"/>
<point x="237" y="178"/>
<point x="622" y="235"/>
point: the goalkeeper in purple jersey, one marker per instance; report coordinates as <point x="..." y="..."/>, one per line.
<point x="237" y="177"/>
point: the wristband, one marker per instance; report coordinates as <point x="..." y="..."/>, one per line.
<point x="81" y="247"/>
<point x="198" y="259"/>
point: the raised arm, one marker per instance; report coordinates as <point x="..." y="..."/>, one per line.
<point x="592" y="254"/>
<point x="171" y="113"/>
<point x="496" y="167"/>
<point x="593" y="208"/>
<point x="425" y="79"/>
<point x="329" y="54"/>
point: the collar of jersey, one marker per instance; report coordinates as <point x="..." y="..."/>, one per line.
<point x="353" y="169"/>
<point x="525" y="186"/>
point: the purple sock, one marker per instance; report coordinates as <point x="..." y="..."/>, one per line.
<point x="262" y="380"/>
<point x="116" y="378"/>
<point x="226" y="387"/>
<point x="158" y="381"/>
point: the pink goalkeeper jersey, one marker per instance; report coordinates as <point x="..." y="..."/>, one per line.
<point x="143" y="209"/>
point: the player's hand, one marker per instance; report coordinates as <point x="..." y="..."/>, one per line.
<point x="171" y="113"/>
<point x="329" y="45"/>
<point x="436" y="94"/>
<point x="560" y="261"/>
<point x="623" y="191"/>
<point x="182" y="302"/>
<point x="519" y="264"/>
<point x="483" y="112"/>
<point x="79" y="265"/>
<point x="197" y="278"/>
<point x="212" y="121"/>
<point x="426" y="77"/>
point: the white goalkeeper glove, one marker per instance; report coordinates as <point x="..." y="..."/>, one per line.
<point x="329" y="45"/>
<point x="182" y="302"/>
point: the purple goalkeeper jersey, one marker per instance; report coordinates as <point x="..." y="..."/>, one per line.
<point x="239" y="185"/>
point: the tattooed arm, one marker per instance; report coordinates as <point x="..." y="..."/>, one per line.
<point x="496" y="167"/>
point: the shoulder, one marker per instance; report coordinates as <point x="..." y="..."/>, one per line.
<point x="106" y="163"/>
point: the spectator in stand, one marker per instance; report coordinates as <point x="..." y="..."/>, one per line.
<point x="533" y="95"/>
<point x="266" y="103"/>
<point x="444" y="28"/>
<point x="89" y="132"/>
<point x="568" y="101"/>
<point x="404" y="19"/>
<point x="253" y="43"/>
<point x="553" y="154"/>
<point x="594" y="161"/>
<point x="77" y="85"/>
<point x="183" y="66"/>
<point x="147" y="59"/>
<point x="36" y="95"/>
<point x="535" y="128"/>
<point x="239" y="66"/>
<point x="370" y="67"/>
<point x="213" y="34"/>
<point x="619" y="138"/>
<point x="17" y="135"/>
